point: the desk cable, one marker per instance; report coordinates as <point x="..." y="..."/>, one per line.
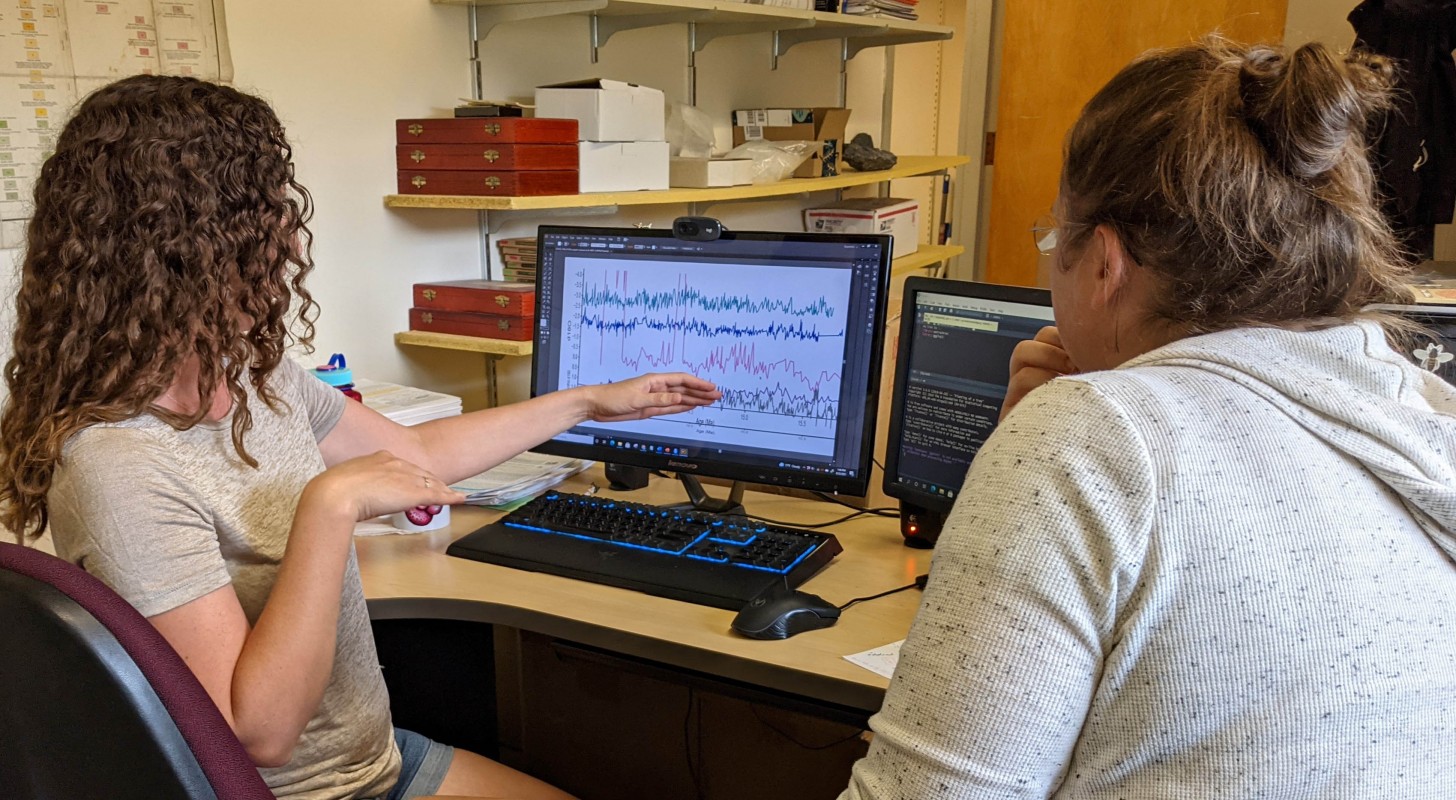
<point x="918" y="584"/>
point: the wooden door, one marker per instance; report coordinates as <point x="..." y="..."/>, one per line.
<point x="1056" y="54"/>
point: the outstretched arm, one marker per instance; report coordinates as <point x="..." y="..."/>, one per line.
<point x="458" y="447"/>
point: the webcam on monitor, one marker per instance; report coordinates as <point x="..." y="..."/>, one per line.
<point x="697" y="229"/>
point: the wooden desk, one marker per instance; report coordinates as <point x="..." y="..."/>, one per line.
<point x="411" y="577"/>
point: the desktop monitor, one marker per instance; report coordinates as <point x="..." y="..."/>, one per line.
<point x="788" y="325"/>
<point x="951" y="371"/>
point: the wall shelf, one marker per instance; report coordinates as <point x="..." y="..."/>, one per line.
<point x="469" y="344"/>
<point x="713" y="18"/>
<point x="927" y="256"/>
<point x="908" y="167"/>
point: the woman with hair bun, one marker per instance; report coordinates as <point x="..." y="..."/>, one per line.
<point x="156" y="426"/>
<point x="1209" y="551"/>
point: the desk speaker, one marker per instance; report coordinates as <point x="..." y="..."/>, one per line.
<point x="919" y="525"/>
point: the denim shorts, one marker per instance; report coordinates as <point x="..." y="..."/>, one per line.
<point x="422" y="767"/>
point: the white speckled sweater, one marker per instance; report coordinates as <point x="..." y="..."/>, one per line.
<point x="1226" y="569"/>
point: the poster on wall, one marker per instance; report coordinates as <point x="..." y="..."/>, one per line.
<point x="54" y="52"/>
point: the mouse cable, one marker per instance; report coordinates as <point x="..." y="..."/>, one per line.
<point x="918" y="584"/>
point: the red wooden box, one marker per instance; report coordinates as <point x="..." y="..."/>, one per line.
<point x="481" y="182"/>
<point x="485" y="130"/>
<point x="487" y="156"/>
<point x="466" y="323"/>
<point x="506" y="298"/>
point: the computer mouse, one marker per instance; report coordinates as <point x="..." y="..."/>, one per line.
<point x="780" y="614"/>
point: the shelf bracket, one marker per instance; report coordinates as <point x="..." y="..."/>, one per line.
<point x="786" y="40"/>
<point x="707" y="32"/>
<point x="488" y="17"/>
<point x="856" y="41"/>
<point x="604" y="28"/>
<point x="888" y="38"/>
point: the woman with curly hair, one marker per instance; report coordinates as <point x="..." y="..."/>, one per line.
<point x="155" y="426"/>
<point x="1211" y="551"/>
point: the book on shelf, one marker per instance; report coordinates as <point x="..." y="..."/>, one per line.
<point x="806" y="5"/>
<point x="518" y="258"/>
<point x="898" y="9"/>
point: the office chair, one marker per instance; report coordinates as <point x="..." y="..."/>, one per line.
<point x="95" y="703"/>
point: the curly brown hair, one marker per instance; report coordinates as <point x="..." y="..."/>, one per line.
<point x="167" y="226"/>
<point x="1239" y="177"/>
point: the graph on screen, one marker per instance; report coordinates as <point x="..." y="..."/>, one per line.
<point x="771" y="337"/>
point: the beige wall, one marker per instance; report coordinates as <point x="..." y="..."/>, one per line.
<point x="1319" y="21"/>
<point x="339" y="74"/>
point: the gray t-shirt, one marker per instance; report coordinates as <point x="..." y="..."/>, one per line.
<point x="164" y="517"/>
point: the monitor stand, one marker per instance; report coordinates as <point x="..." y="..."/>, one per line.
<point x="698" y="499"/>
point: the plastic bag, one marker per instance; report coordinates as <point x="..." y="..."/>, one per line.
<point x="774" y="161"/>
<point x="689" y="132"/>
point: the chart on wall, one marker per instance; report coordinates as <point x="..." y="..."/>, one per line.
<point x="53" y="53"/>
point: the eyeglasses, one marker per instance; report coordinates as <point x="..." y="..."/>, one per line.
<point x="1044" y="234"/>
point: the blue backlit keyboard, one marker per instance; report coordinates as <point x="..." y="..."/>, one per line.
<point x="722" y="561"/>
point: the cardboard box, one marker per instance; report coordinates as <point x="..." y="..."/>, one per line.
<point x="820" y="125"/>
<point x="702" y="173"/>
<point x="897" y="217"/>
<point x="623" y="166"/>
<point x="775" y="117"/>
<point x="606" y="110"/>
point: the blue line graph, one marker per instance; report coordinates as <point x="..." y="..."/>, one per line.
<point x="771" y="337"/>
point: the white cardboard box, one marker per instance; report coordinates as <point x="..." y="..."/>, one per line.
<point x="623" y="166"/>
<point x="776" y="117"/>
<point x="898" y="217"/>
<point x="703" y="173"/>
<point x="607" y="110"/>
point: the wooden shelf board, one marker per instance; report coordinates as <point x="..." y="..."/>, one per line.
<point x="471" y="344"/>
<point x="717" y="11"/>
<point x="908" y="167"/>
<point x="927" y="255"/>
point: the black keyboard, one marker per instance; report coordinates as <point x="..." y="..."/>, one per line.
<point x="721" y="561"/>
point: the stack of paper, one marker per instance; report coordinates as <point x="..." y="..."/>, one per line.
<point x="523" y="476"/>
<point x="406" y="404"/>
<point x="518" y="256"/>
<point x="900" y="9"/>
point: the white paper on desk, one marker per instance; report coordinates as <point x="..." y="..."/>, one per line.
<point x="522" y="476"/>
<point x="879" y="660"/>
